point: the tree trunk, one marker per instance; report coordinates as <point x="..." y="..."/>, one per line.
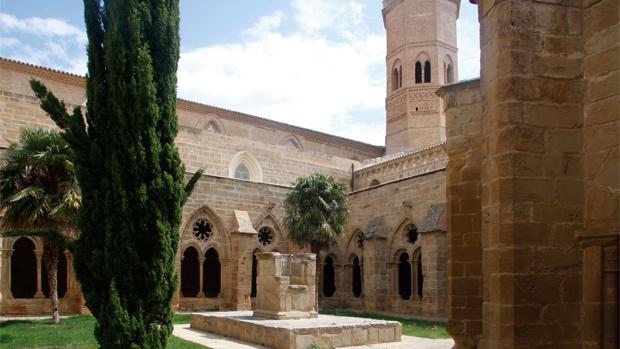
<point x="51" y="251"/>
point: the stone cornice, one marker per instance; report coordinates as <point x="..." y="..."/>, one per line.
<point x="48" y="73"/>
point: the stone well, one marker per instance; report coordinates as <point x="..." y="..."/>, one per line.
<point x="286" y="316"/>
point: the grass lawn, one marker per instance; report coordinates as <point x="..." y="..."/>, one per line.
<point x="72" y="332"/>
<point x="411" y="327"/>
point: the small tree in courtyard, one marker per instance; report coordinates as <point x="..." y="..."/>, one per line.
<point x="129" y="170"/>
<point x="40" y="197"/>
<point x="316" y="212"/>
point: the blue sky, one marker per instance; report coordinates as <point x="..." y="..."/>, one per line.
<point x="313" y="63"/>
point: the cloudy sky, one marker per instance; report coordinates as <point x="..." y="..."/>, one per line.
<point x="318" y="64"/>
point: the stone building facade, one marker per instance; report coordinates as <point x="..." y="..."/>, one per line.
<point x="392" y="255"/>
<point x="533" y="184"/>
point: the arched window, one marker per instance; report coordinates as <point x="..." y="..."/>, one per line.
<point x="418" y="72"/>
<point x="254" y="274"/>
<point x="190" y="270"/>
<point x="420" y="276"/>
<point x="291" y="144"/>
<point x="61" y="276"/>
<point x="427" y="71"/>
<point x="211" y="274"/>
<point x="23" y="269"/>
<point x="242" y="172"/>
<point x="329" y="277"/>
<point x="411" y="233"/>
<point x="212" y="127"/>
<point x="356" y="277"/>
<point x="404" y="276"/>
<point x="449" y="74"/>
<point x="244" y="166"/>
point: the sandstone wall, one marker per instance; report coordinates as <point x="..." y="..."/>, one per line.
<point x="380" y="215"/>
<point x="463" y="124"/>
<point x="398" y="166"/>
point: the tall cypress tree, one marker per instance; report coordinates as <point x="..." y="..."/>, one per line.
<point x="129" y="170"/>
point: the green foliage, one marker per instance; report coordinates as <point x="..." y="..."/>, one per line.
<point x="315" y="346"/>
<point x="74" y="332"/>
<point x="40" y="197"/>
<point x="129" y="169"/>
<point x="316" y="211"/>
<point x="38" y="191"/>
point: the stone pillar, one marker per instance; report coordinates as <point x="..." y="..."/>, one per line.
<point x="39" y="255"/>
<point x="375" y="276"/>
<point x="244" y="240"/>
<point x="532" y="188"/>
<point x="463" y="192"/>
<point x="5" y="274"/>
<point x="201" y="262"/>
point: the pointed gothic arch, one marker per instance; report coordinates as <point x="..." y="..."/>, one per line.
<point x="291" y="141"/>
<point x="279" y="240"/>
<point x="242" y="162"/>
<point x="211" y="123"/>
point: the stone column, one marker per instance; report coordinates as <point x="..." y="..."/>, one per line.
<point x="39" y="255"/>
<point x="5" y="274"/>
<point x="532" y="187"/>
<point x="244" y="240"/>
<point x="201" y="262"/>
<point x="375" y="278"/>
<point x="463" y="192"/>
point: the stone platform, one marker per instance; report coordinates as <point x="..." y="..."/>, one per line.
<point x="326" y="330"/>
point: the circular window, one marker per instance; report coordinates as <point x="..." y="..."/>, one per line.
<point x="359" y="240"/>
<point x="203" y="229"/>
<point x="265" y="236"/>
<point x="411" y="233"/>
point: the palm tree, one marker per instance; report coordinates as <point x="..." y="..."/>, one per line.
<point x="316" y="212"/>
<point x="40" y="197"/>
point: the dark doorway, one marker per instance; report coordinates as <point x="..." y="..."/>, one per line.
<point x="23" y="269"/>
<point x="420" y="277"/>
<point x="190" y="273"/>
<point x="212" y="274"/>
<point x="62" y="276"/>
<point x="254" y="274"/>
<point x="404" y="276"/>
<point x="357" y="278"/>
<point x="329" y="278"/>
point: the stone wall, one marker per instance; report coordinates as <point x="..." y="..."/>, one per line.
<point x="402" y="165"/>
<point x="462" y="109"/>
<point x="547" y="184"/>
<point x="376" y="235"/>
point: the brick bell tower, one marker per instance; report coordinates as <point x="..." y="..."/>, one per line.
<point x="421" y="56"/>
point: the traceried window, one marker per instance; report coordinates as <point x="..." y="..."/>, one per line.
<point x="202" y="229"/>
<point x="242" y="172"/>
<point x="411" y="233"/>
<point x="265" y="236"/>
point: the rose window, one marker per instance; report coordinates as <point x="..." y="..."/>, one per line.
<point x="359" y="240"/>
<point x="265" y="236"/>
<point x="411" y="233"/>
<point x="203" y="229"/>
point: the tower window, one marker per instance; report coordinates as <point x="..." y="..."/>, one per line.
<point x="427" y="71"/>
<point x="397" y="77"/>
<point x="418" y="72"/>
<point x="449" y="74"/>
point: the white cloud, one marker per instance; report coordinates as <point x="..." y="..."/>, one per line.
<point x="41" y="26"/>
<point x="301" y="77"/>
<point x="468" y="39"/>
